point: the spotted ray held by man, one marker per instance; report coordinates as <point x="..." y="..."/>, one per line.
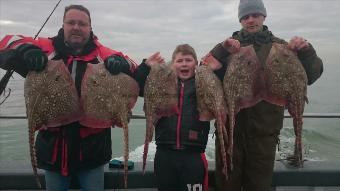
<point x="243" y="86"/>
<point x="286" y="85"/>
<point x="107" y="100"/>
<point x="51" y="100"/>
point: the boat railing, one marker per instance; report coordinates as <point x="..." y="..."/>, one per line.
<point x="141" y="116"/>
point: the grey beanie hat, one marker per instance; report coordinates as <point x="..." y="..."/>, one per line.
<point x="247" y="7"/>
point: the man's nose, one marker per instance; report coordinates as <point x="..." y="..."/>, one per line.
<point x="76" y="26"/>
<point x="250" y="19"/>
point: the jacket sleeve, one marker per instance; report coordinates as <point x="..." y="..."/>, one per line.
<point x="7" y="59"/>
<point x="141" y="74"/>
<point x="12" y="48"/>
<point x="217" y="54"/>
<point x="312" y="63"/>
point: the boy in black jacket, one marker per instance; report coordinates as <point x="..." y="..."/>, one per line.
<point x="181" y="139"/>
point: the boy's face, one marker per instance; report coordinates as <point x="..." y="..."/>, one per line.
<point x="184" y="66"/>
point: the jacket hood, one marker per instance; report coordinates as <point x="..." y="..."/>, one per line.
<point x="63" y="50"/>
<point x="262" y="37"/>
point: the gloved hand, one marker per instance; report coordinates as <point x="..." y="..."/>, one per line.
<point x="116" y="64"/>
<point x="34" y="58"/>
<point x="8" y="59"/>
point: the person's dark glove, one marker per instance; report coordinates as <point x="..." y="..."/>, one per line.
<point x="8" y="59"/>
<point x="116" y="64"/>
<point x="34" y="58"/>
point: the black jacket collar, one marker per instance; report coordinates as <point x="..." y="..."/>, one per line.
<point x="262" y="37"/>
<point x="64" y="51"/>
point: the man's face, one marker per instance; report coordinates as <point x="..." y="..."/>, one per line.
<point x="77" y="28"/>
<point x="252" y="23"/>
<point x="184" y="65"/>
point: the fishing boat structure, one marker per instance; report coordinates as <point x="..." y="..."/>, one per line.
<point x="314" y="176"/>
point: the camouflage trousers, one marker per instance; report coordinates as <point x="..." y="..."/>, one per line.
<point x="253" y="163"/>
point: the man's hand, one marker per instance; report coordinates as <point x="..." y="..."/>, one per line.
<point x="231" y="45"/>
<point x="298" y="43"/>
<point x="7" y="59"/>
<point x="34" y="58"/>
<point x="155" y="58"/>
<point x="116" y="64"/>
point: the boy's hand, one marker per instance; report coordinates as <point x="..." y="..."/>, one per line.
<point x="156" y="58"/>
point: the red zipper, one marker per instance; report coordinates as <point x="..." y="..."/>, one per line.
<point x="179" y="120"/>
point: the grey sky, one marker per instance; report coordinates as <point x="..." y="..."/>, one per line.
<point x="140" y="27"/>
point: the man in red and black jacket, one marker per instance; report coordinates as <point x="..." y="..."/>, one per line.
<point x="71" y="149"/>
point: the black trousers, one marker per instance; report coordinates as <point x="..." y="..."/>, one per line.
<point x="253" y="164"/>
<point x="180" y="170"/>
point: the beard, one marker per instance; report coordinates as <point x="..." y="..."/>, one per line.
<point x="76" y="45"/>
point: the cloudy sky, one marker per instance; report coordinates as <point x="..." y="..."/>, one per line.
<point x="141" y="27"/>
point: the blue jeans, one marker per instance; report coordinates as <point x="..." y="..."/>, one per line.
<point x="89" y="180"/>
